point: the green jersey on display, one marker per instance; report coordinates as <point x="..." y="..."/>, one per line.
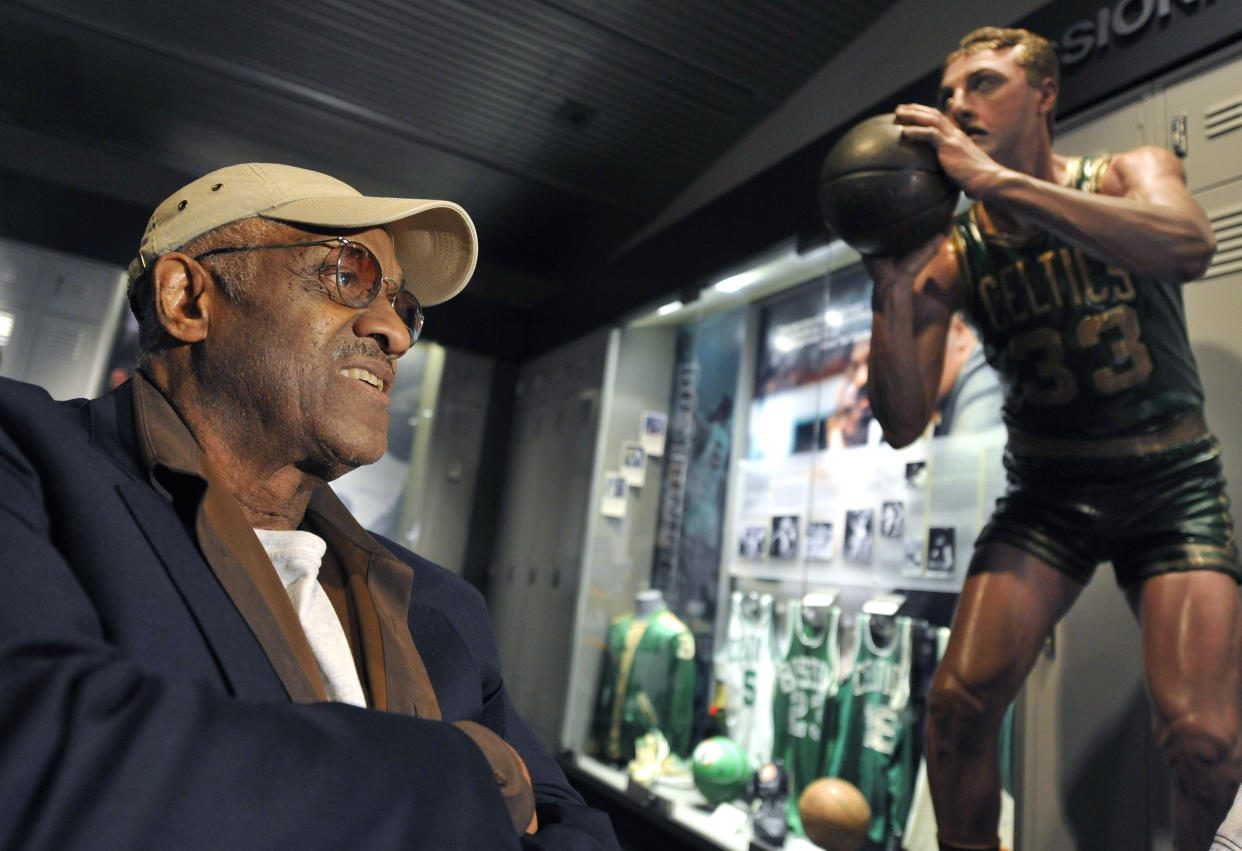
<point x="873" y="749"/>
<point x="804" y="710"/>
<point x="647" y="683"/>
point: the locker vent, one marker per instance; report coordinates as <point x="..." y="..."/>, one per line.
<point x="1227" y="225"/>
<point x="11" y="289"/>
<point x="1223" y="117"/>
<point x="64" y="343"/>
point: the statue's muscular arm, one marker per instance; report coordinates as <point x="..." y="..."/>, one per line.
<point x="912" y="302"/>
<point x="1143" y="219"/>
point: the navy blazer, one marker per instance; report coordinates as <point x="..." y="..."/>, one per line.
<point x="138" y="710"/>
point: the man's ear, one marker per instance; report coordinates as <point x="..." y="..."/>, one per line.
<point x="184" y="296"/>
<point x="1047" y="95"/>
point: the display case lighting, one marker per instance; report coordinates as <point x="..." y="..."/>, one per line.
<point x="820" y="599"/>
<point x="775" y="270"/>
<point x="733" y="283"/>
<point x="885" y="605"/>
<point x="833" y="318"/>
<point x="782" y="343"/>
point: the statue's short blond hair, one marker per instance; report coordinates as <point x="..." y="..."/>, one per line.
<point x="1034" y="54"/>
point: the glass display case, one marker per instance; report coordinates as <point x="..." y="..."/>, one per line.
<point x="761" y="571"/>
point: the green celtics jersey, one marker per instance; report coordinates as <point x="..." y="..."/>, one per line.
<point x="647" y="683"/>
<point x="1085" y="349"/>
<point x="804" y="708"/>
<point x="873" y="749"/>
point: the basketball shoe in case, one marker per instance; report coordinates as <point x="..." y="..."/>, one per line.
<point x="769" y="798"/>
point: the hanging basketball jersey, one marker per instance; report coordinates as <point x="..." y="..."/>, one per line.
<point x="647" y="683"/>
<point x="804" y="710"/>
<point x="873" y="745"/>
<point x="745" y="664"/>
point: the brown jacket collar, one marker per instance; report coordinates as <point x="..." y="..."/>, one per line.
<point x="379" y="584"/>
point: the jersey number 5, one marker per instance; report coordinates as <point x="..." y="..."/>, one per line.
<point x="748" y="681"/>
<point x="1054" y="384"/>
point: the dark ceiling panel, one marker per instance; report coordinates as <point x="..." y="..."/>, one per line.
<point x="564" y="126"/>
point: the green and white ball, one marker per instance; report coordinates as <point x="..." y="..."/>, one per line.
<point x="721" y="769"/>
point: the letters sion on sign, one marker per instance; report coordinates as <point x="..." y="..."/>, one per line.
<point x="1123" y="19"/>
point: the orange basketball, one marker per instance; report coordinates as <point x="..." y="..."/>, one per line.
<point x="834" y="814"/>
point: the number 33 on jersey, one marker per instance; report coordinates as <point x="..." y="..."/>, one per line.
<point x="1086" y="349"/>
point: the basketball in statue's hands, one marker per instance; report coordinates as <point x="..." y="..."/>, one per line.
<point x="834" y="814"/>
<point x="882" y="193"/>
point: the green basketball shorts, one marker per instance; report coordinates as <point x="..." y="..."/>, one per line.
<point x="1148" y="514"/>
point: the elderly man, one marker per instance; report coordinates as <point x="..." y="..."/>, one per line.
<point x="1071" y="268"/>
<point x="199" y="647"/>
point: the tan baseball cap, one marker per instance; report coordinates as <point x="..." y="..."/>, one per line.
<point x="435" y="240"/>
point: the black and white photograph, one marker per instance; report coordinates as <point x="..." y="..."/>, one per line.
<point x="916" y="473"/>
<point x="784" y="536"/>
<point x="912" y="564"/>
<point x="633" y="463"/>
<point x="613" y="502"/>
<point x="859" y="529"/>
<point x="819" y="544"/>
<point x="751" y="542"/>
<point x="654" y="429"/>
<point x="892" y="519"/>
<point x="940" y="551"/>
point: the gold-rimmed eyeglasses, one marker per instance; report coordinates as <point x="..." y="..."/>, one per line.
<point x="355" y="276"/>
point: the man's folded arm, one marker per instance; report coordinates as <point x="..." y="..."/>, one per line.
<point x="565" y="822"/>
<point x="99" y="752"/>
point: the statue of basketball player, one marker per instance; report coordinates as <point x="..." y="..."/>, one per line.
<point x="1071" y="268"/>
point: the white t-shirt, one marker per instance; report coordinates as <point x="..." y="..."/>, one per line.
<point x="297" y="556"/>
